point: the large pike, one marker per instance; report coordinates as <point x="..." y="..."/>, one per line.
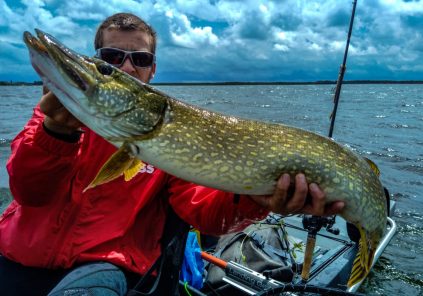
<point x="205" y="147"/>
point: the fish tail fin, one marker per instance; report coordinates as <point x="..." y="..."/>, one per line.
<point x="364" y="259"/>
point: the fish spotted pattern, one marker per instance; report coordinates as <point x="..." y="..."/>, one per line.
<point x="212" y="149"/>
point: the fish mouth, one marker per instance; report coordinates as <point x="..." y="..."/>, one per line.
<point x="72" y="77"/>
<point x="46" y="51"/>
<point x="90" y="89"/>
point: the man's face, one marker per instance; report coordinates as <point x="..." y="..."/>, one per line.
<point x="131" y="41"/>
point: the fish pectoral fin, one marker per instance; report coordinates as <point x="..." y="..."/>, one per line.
<point x="373" y="166"/>
<point x="122" y="162"/>
<point x="133" y="169"/>
<point x="364" y="258"/>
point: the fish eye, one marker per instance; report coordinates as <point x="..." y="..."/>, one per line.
<point x="105" y="69"/>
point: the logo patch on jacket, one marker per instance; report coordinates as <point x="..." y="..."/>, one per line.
<point x="149" y="169"/>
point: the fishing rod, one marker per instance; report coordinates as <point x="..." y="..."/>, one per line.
<point x="313" y="224"/>
<point x="341" y="73"/>
<point x="259" y="284"/>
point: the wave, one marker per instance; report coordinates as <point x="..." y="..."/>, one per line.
<point x="5" y="142"/>
<point x="418" y="169"/>
<point x="5" y="198"/>
<point x="387" y="275"/>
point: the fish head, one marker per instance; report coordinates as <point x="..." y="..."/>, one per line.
<point x="104" y="98"/>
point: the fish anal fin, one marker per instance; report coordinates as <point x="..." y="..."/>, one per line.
<point x="373" y="166"/>
<point x="115" y="166"/>
<point x="364" y="258"/>
<point x="133" y="169"/>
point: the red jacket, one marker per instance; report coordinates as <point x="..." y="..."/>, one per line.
<point x="52" y="224"/>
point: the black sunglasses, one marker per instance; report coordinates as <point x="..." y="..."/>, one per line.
<point x="116" y="57"/>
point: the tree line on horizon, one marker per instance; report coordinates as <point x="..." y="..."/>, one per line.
<point x="22" y="83"/>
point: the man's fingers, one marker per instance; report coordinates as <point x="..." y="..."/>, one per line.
<point x="319" y="207"/>
<point x="283" y="204"/>
<point x="61" y="115"/>
<point x="296" y="203"/>
<point x="278" y="200"/>
<point x="334" y="208"/>
<point x="59" y="118"/>
<point x="50" y="104"/>
<point x="283" y="185"/>
<point x="317" y="199"/>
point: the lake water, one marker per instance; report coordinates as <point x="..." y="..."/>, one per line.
<point x="381" y="122"/>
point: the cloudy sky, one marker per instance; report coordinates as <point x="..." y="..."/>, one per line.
<point x="230" y="40"/>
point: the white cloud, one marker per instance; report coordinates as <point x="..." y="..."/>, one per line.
<point x="400" y="6"/>
<point x="196" y="37"/>
<point x="6" y="14"/>
<point x="246" y="38"/>
<point x="337" y="45"/>
<point x="201" y="9"/>
<point x="34" y="15"/>
<point x="315" y="47"/>
<point x="407" y="68"/>
<point x="281" y="47"/>
<point x="99" y="10"/>
<point x="183" y="34"/>
<point x="366" y="51"/>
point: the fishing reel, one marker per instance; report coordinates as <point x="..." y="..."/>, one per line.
<point x="313" y="224"/>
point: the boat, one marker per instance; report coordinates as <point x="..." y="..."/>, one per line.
<point x="334" y="253"/>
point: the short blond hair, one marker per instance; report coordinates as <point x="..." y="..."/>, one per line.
<point x="125" y="22"/>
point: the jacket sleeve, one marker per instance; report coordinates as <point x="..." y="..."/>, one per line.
<point x="212" y="211"/>
<point x="40" y="166"/>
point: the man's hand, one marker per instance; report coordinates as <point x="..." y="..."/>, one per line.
<point x="280" y="202"/>
<point x="58" y="119"/>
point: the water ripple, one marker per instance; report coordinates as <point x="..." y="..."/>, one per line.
<point x="415" y="168"/>
<point x="5" y="198"/>
<point x="386" y="276"/>
<point x="382" y="122"/>
<point x="5" y="142"/>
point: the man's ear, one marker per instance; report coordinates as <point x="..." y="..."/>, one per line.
<point x="152" y="72"/>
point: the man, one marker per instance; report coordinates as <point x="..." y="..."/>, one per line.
<point x="57" y="239"/>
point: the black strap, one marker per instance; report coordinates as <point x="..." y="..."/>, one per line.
<point x="69" y="138"/>
<point x="168" y="265"/>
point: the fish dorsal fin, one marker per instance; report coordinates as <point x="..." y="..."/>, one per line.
<point x="364" y="258"/>
<point x="122" y="162"/>
<point x="373" y="166"/>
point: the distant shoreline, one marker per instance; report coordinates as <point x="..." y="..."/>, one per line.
<point x="20" y="83"/>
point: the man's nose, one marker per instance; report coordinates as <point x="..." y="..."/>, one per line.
<point x="127" y="65"/>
